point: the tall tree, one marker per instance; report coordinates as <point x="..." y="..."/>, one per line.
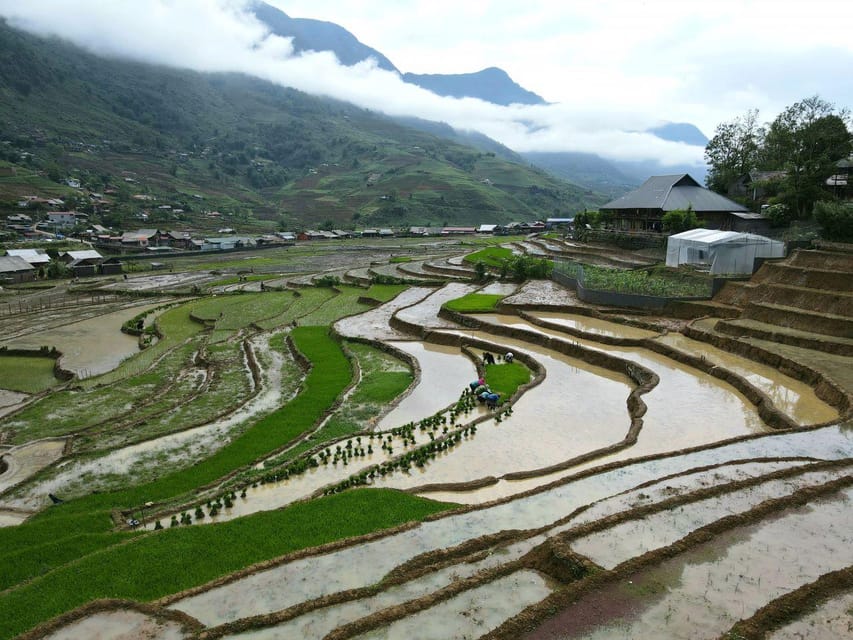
<point x="806" y="140"/>
<point x="733" y="151"/>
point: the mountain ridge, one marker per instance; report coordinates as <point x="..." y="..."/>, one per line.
<point x="262" y="155"/>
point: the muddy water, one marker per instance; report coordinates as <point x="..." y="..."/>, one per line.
<point x="29" y="458"/>
<point x="445" y="372"/>
<point x="425" y="313"/>
<point x="680" y="485"/>
<point x="687" y="408"/>
<point x="185" y="445"/>
<point x="160" y="281"/>
<point x="119" y="625"/>
<point x="11" y="400"/>
<point x="470" y="614"/>
<point x="89" y="347"/>
<point x="595" y="325"/>
<point x="318" y="623"/>
<point x="685" y="405"/>
<point x="11" y="518"/>
<point x="828" y="443"/>
<point x="373" y="324"/>
<point x="617" y="544"/>
<point x="500" y="288"/>
<point x="830" y="621"/>
<point x="577" y="408"/>
<point x="701" y="593"/>
<point x="364" y="564"/>
<point x="791" y="396"/>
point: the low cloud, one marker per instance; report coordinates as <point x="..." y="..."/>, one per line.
<point x="220" y="36"/>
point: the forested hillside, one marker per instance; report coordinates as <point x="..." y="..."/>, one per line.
<point x="265" y="155"/>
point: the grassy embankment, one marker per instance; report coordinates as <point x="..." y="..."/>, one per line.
<point x="475" y="303"/>
<point x="27" y="374"/>
<point x="493" y="257"/>
<point x="157" y="564"/>
<point x="383" y="378"/>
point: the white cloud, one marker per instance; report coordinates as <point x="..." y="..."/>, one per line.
<point x="615" y="67"/>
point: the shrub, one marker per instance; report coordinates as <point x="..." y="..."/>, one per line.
<point x="836" y="218"/>
<point x="780" y="215"/>
<point x="680" y="220"/>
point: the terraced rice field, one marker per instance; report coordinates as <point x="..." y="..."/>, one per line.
<point x="245" y="473"/>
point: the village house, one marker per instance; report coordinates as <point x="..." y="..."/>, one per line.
<point x="643" y="209"/>
<point x="82" y="263"/>
<point x="65" y="219"/>
<point x="111" y="267"/>
<point x="38" y="258"/>
<point x="140" y="238"/>
<point x="14" y="270"/>
<point x="177" y="240"/>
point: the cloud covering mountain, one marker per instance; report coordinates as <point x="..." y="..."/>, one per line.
<point x="224" y="35"/>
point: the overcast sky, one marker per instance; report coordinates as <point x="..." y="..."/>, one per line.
<point x="610" y="67"/>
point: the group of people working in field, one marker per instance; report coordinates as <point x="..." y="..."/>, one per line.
<point x="479" y="387"/>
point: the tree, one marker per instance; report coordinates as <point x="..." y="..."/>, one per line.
<point x="806" y="140"/>
<point x="733" y="151"/>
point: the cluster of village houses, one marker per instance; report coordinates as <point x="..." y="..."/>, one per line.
<point x="22" y="265"/>
<point x="640" y="211"/>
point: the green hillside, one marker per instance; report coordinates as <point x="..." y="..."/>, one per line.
<point x="264" y="156"/>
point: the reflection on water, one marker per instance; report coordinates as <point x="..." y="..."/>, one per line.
<point x="445" y="372"/>
<point x="89" y="347"/>
<point x="791" y="396"/>
<point x="702" y="593"/>
<point x="577" y="408"/>
<point x="595" y="325"/>
<point x="364" y="564"/>
<point x="425" y="313"/>
<point x="630" y="539"/>
<point x="118" y="625"/>
<point x="471" y="613"/>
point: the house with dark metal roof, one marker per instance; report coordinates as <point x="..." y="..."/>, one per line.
<point x="14" y="269"/>
<point x="643" y="208"/>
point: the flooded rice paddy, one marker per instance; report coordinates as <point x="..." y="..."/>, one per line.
<point x="11" y="400"/>
<point x="425" y="313"/>
<point x="89" y="347"/>
<point x="373" y="324"/>
<point x="25" y="460"/>
<point x="471" y="613"/>
<point x="831" y="620"/>
<point x="596" y="326"/>
<point x="187" y="445"/>
<point x="318" y="623"/>
<point x="622" y="542"/>
<point x="442" y="369"/>
<point x="119" y="625"/>
<point x="793" y="397"/>
<point x="577" y="408"/>
<point x="359" y="566"/>
<point x="703" y="592"/>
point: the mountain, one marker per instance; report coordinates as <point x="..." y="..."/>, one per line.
<point x="317" y="35"/>
<point x="492" y="85"/>
<point x="585" y="169"/>
<point x="262" y="155"/>
<point x="680" y="132"/>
